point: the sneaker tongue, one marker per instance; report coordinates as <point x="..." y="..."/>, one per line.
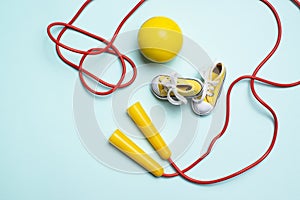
<point x="214" y="76"/>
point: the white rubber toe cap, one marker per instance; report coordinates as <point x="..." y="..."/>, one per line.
<point x="202" y="108"/>
<point x="155" y="88"/>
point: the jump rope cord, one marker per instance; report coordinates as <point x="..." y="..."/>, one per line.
<point x="297" y="2"/>
<point x="252" y="78"/>
<point x="109" y="48"/>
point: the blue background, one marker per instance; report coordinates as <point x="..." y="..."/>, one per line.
<point x="40" y="151"/>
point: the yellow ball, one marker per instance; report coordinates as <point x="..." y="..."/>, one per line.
<point x="160" y="39"/>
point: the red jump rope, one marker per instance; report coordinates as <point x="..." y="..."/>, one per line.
<point x="111" y="49"/>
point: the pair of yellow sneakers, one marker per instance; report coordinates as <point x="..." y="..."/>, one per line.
<point x="204" y="95"/>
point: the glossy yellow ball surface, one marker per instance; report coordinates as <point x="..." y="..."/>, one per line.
<point x="160" y="39"/>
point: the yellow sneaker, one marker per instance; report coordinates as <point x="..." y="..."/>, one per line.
<point x="175" y="90"/>
<point x="205" y="103"/>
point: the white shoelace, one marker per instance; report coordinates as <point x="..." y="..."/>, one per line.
<point x="171" y="87"/>
<point x="208" y="88"/>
